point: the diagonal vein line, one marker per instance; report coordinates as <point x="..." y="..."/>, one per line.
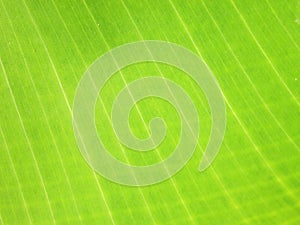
<point x="45" y="116"/>
<point x="65" y="97"/>
<point x="122" y="148"/>
<point x="232" y="200"/>
<point x="11" y="162"/>
<point x="174" y="185"/>
<point x="29" y="143"/>
<point x="140" y="114"/>
<point x="264" y="53"/>
<point x="281" y="24"/>
<point x="218" y="179"/>
<point x="106" y="113"/>
<point x="278" y="179"/>
<point x="249" y="79"/>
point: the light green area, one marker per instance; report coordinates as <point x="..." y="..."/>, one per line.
<point x="253" y="49"/>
